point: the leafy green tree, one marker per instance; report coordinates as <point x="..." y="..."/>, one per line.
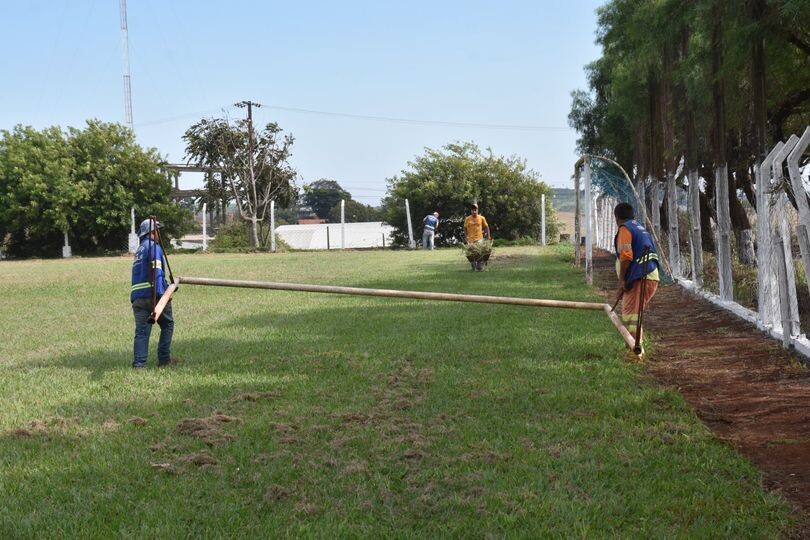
<point x="322" y="195"/>
<point x="83" y="182"/>
<point x="449" y="180"/>
<point x="355" y="212"/>
<point x="715" y="81"/>
<point x="116" y="174"/>
<point x="256" y="171"/>
<point x="34" y="181"/>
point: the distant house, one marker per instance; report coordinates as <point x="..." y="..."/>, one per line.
<point x="328" y="235"/>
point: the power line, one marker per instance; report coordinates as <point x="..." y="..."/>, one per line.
<point x="388" y="119"/>
<point x="181" y="117"/>
<point x="353" y="188"/>
<point x="415" y="121"/>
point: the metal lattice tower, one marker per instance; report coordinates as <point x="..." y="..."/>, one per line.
<point x="125" y="46"/>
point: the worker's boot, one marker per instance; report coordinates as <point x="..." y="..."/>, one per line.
<point x="173" y="361"/>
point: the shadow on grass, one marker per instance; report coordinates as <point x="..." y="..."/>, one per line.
<point x="388" y="327"/>
<point x="391" y="323"/>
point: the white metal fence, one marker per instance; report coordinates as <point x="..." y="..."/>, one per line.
<point x="779" y="229"/>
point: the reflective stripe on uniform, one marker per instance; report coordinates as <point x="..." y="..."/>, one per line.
<point x="646" y="258"/>
<point x="139" y="286"/>
<point x="157" y="264"/>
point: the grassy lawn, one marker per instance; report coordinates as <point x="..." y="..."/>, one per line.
<point x="326" y="415"/>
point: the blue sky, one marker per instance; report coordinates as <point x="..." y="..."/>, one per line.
<point x="469" y="62"/>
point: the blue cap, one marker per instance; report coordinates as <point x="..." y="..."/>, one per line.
<point x="144" y="229"/>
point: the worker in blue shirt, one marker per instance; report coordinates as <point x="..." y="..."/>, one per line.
<point x="431" y="223"/>
<point x="147" y="271"/>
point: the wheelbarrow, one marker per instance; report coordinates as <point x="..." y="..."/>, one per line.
<point x="479" y="262"/>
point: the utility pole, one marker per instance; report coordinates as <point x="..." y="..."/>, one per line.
<point x="122" y="8"/>
<point x="249" y="105"/>
<point x="254" y="236"/>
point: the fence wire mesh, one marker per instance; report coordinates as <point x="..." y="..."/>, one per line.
<point x="760" y="273"/>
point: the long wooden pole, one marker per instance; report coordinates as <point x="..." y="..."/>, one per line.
<point x="536" y="302"/>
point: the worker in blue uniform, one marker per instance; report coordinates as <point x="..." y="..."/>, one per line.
<point x="148" y="285"/>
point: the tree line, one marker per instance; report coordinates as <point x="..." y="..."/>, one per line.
<point x="712" y="83"/>
<point x="256" y="169"/>
<point x="79" y="182"/>
<point x="83" y="182"/>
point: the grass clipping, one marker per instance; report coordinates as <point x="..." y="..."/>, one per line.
<point x="478" y="251"/>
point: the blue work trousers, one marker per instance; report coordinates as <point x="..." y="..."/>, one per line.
<point x="142" y="309"/>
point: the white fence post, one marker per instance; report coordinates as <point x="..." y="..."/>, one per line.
<point x="595" y="217"/>
<point x="766" y="278"/>
<point x="543" y="219"/>
<point x="133" y="237"/>
<point x="673" y="236"/>
<point x="411" y="243"/>
<point x="723" y="233"/>
<point x="611" y="222"/>
<point x="784" y="303"/>
<point x="695" y="237"/>
<point x="577" y="219"/>
<point x="66" y="251"/>
<point x="273" y="226"/>
<point x="343" y="224"/>
<point x="205" y="227"/>
<point x="588" y="213"/>
<point x="800" y="194"/>
<point x="780" y="209"/>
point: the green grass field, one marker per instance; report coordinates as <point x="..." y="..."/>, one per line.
<point x="325" y="415"/>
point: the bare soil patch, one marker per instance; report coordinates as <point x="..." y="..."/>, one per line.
<point x="47" y="426"/>
<point x="743" y="385"/>
<point x="208" y="429"/>
<point x="200" y="458"/>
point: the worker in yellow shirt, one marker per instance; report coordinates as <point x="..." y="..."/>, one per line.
<point x="476" y="229"/>
<point x="636" y="266"/>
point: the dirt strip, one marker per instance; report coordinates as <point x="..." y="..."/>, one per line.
<point x="743" y="385"/>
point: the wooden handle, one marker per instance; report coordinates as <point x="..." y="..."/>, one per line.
<point x="161" y="305"/>
<point x="628" y="339"/>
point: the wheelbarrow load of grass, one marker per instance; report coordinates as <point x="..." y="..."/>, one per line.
<point x="478" y="254"/>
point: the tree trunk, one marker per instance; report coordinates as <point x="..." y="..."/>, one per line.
<point x="741" y="226"/>
<point x="759" y="103"/>
<point x="696" y="234"/>
<point x="706" y="210"/>
<point x="254" y="232"/>
<point x="641" y="175"/>
<point x="722" y="191"/>
<point x="655" y="206"/>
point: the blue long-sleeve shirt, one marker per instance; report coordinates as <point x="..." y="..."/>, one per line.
<point x="141" y="285"/>
<point x="431" y="222"/>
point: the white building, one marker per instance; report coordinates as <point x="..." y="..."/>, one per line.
<point x="328" y="235"/>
